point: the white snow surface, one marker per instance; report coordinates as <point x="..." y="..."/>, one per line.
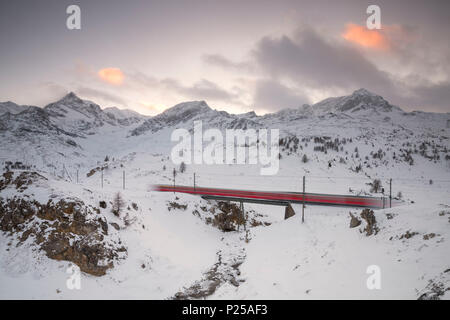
<point x="169" y="251"/>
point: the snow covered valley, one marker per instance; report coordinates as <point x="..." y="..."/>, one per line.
<point x="63" y="166"/>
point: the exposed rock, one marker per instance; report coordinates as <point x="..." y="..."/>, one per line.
<point x="115" y="225"/>
<point x="371" y="223"/>
<point x="408" y="235"/>
<point x="175" y="205"/>
<point x="390" y="216"/>
<point x="21" y="182"/>
<point x="227" y="216"/>
<point x="97" y="169"/>
<point x="221" y="272"/>
<point x="354" y="221"/>
<point x="429" y="236"/>
<point x="434" y="291"/>
<point x="65" y="230"/>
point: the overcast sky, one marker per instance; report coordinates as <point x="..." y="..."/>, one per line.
<point x="236" y="55"/>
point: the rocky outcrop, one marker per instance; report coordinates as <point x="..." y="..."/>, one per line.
<point x="227" y="216"/>
<point x="20" y="182"/>
<point x="65" y="229"/>
<point x="371" y="223"/>
<point x="354" y="221"/>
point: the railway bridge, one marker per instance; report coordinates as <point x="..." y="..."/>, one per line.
<point x="280" y="198"/>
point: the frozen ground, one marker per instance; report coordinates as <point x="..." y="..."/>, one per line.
<point x="174" y="253"/>
<point x="321" y="258"/>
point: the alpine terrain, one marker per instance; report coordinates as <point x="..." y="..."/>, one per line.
<point x="76" y="200"/>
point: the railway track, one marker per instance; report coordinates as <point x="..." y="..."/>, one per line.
<point x="279" y="198"/>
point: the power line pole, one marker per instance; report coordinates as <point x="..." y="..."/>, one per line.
<point x="102" y="178"/>
<point x="77" y="175"/>
<point x="243" y="215"/>
<point x="390" y="193"/>
<point x="65" y="171"/>
<point x="123" y="178"/>
<point x="174" y="174"/>
<point x="303" y="208"/>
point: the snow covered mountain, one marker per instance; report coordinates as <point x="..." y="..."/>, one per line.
<point x="124" y="117"/>
<point x="359" y="100"/>
<point x="187" y="112"/>
<point x="72" y="127"/>
<point x="69" y="115"/>
<point x="85" y="117"/>
<point x="74" y="157"/>
<point x="11" y="107"/>
<point x="359" y="108"/>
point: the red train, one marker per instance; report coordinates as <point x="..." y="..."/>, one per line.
<point x="279" y="197"/>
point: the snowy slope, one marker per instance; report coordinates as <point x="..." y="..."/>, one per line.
<point x="173" y="251"/>
<point x="11" y="107"/>
<point x="186" y="113"/>
<point x="124" y="117"/>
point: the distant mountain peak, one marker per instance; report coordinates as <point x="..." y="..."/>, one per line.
<point x="188" y="108"/>
<point x="363" y="92"/>
<point x="11" y="107"/>
<point x="250" y="114"/>
<point x="71" y="96"/>
<point x="360" y="100"/>
<point x="191" y="105"/>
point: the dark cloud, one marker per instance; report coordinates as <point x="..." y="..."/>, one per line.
<point x="135" y="34"/>
<point x="202" y="89"/>
<point x="308" y="59"/>
<point x="428" y="97"/>
<point x="224" y="63"/>
<point x="272" y="96"/>
<point x="434" y="95"/>
<point x="99" y="94"/>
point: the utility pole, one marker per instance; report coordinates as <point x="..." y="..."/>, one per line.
<point x="66" y="172"/>
<point x="77" y="175"/>
<point x="174" y="174"/>
<point x="390" y="193"/>
<point x="102" y="177"/>
<point x="243" y="215"/>
<point x="303" y="208"/>
<point x="123" y="178"/>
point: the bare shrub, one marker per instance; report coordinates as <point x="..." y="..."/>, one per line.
<point x="175" y="205"/>
<point x="229" y="218"/>
<point x="375" y="186"/>
<point x="118" y="204"/>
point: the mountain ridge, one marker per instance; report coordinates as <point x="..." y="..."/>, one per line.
<point x="80" y="117"/>
<point x="359" y="98"/>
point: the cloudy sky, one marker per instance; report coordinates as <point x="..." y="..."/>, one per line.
<point x="237" y="55"/>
